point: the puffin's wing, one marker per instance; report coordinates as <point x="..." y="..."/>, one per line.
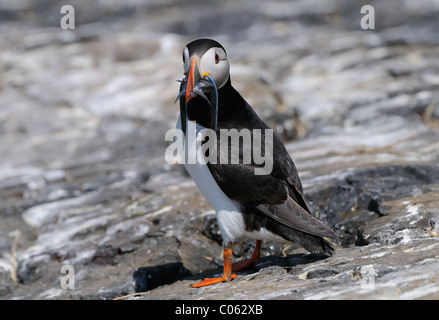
<point x="239" y="182"/>
<point x="269" y="195"/>
<point x="277" y="195"/>
<point x="272" y="196"/>
<point x="292" y="215"/>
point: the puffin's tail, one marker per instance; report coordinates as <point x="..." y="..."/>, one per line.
<point x="326" y="249"/>
<point x="312" y="243"/>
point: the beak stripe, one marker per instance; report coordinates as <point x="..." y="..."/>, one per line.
<point x="190" y="81"/>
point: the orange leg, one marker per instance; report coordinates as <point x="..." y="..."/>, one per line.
<point x="227" y="272"/>
<point x="255" y="256"/>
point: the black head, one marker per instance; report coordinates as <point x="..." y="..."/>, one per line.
<point x="203" y="57"/>
<point x="206" y="69"/>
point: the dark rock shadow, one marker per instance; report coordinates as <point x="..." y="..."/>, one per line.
<point x="285" y="262"/>
<point x="291" y="260"/>
<point x="148" y="278"/>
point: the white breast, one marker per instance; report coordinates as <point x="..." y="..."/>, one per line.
<point x="230" y="220"/>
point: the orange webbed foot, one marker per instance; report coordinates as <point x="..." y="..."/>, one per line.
<point x="210" y="281"/>
<point x="227" y="272"/>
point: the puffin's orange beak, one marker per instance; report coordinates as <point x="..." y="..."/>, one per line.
<point x="194" y="75"/>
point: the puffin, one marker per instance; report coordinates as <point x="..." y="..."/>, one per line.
<point x="267" y="206"/>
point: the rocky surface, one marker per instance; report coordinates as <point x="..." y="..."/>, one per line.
<point x="84" y="182"/>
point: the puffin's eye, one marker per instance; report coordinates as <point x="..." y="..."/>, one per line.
<point x="217" y="58"/>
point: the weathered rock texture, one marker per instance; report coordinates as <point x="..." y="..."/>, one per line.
<point x="84" y="182"/>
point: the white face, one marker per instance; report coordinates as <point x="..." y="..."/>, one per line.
<point x="214" y="61"/>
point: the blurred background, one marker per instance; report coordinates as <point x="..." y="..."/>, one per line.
<point x="84" y="112"/>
